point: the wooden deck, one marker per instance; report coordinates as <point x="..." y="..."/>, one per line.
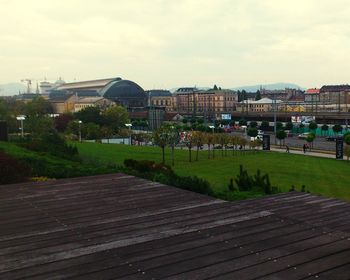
<point x="122" y="227"/>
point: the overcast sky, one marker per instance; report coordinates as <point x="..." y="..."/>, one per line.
<point x="166" y="44"/>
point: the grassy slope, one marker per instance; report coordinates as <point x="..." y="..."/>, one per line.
<point x="320" y="175"/>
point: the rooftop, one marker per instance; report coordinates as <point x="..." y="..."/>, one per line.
<point x="122" y="227"/>
<point x="335" y="88"/>
<point x="86" y="84"/>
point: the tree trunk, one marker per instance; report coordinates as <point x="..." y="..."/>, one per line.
<point x="208" y="151"/>
<point x="189" y="153"/>
<point x="197" y="153"/>
<point x="172" y="155"/>
<point x="163" y="155"/>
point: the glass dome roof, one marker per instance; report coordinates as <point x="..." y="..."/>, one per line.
<point x="125" y="93"/>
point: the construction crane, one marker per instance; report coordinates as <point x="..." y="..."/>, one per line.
<point x="29" y="84"/>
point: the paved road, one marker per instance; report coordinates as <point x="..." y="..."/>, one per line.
<point x="319" y="143"/>
<point x="300" y="152"/>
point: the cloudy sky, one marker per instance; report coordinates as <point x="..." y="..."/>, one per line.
<point x="166" y="44"/>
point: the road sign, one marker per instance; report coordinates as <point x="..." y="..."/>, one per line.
<point x="266" y="142"/>
<point x="339" y="143"/>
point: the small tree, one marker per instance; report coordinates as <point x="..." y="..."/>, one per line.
<point x="310" y="139"/>
<point x="189" y="142"/>
<point x="347" y="152"/>
<point x="174" y="138"/>
<point x="324" y="129"/>
<point x="347" y="139"/>
<point x="313" y="126"/>
<point x="289" y="126"/>
<point x="197" y="138"/>
<point x="337" y="128"/>
<point x="252" y="132"/>
<point x="281" y="135"/>
<point x="161" y="138"/>
<point x="258" y="95"/>
<point x="209" y="137"/>
<point x="253" y="124"/>
<point x="264" y="125"/>
<point x="242" y="122"/>
<point x="279" y="126"/>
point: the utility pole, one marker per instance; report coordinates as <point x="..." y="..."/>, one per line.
<point x="274" y="115"/>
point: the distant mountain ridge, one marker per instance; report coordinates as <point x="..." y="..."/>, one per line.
<point x="275" y="86"/>
<point x="12" y="89"/>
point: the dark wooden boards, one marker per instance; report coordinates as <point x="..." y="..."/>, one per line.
<point x="118" y="226"/>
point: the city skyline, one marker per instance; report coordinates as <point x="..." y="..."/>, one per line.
<point x="166" y="44"/>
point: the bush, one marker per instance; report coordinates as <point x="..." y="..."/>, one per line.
<point x="164" y="174"/>
<point x="257" y="182"/>
<point x="53" y="144"/>
<point x="13" y="170"/>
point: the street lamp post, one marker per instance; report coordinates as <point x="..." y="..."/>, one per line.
<point x="129" y="125"/>
<point x="21" y="118"/>
<point x="80" y="130"/>
<point x="212" y="127"/>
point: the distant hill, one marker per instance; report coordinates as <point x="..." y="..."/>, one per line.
<point x="275" y="86"/>
<point x="12" y="88"/>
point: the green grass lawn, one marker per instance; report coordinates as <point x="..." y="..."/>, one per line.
<point x="320" y="175"/>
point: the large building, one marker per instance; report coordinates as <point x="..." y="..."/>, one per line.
<point x="161" y="98"/>
<point x="209" y="104"/>
<point x="334" y="98"/>
<point x="123" y="92"/>
<point x="259" y="106"/>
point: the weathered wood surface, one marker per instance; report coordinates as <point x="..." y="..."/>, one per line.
<point x="121" y="227"/>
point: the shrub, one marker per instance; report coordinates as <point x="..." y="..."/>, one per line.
<point x="53" y="144"/>
<point x="13" y="170"/>
<point x="257" y="182"/>
<point x="243" y="180"/>
<point x="164" y="174"/>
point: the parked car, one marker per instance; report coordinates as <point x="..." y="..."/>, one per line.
<point x="304" y="135"/>
<point x="258" y="137"/>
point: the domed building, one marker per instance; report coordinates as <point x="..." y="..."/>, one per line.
<point x="125" y="93"/>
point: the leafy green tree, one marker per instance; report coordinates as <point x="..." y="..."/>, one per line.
<point x="337" y="128"/>
<point x="253" y="124"/>
<point x="106" y="132"/>
<point x="289" y="126"/>
<point x="264" y="125"/>
<point x="174" y="138"/>
<point x="38" y="125"/>
<point x="209" y="139"/>
<point x="197" y="138"/>
<point x="258" y="95"/>
<point x="90" y="115"/>
<point x="161" y="138"/>
<point x="281" y="135"/>
<point x="313" y="126"/>
<point x="310" y="139"/>
<point x="279" y="126"/>
<point x="215" y="87"/>
<point x="347" y="152"/>
<point x="324" y="129"/>
<point x="252" y="132"/>
<point x="92" y="131"/>
<point x="347" y="139"/>
<point x="38" y="107"/>
<point x="242" y="122"/>
<point x="116" y="117"/>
